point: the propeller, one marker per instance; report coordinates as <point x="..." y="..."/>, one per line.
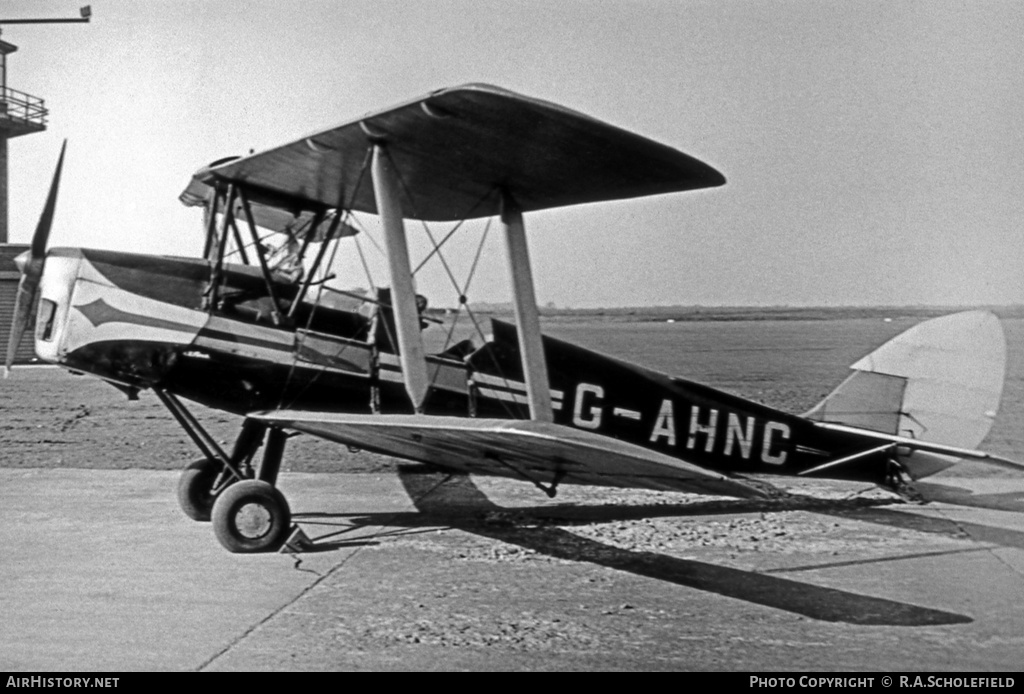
<point x="31" y="266"/>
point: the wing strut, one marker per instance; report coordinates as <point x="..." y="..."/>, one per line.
<point x="403" y="298"/>
<point x="531" y="346"/>
<point x="212" y="199"/>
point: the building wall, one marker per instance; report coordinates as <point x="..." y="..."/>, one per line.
<point x="9" y="278"/>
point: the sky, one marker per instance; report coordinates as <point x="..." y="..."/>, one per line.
<point x="874" y="150"/>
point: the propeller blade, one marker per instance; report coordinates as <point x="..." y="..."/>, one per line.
<point x="42" y="234"/>
<point x="32" y="268"/>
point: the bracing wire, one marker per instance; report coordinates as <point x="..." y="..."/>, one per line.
<point x="512" y="409"/>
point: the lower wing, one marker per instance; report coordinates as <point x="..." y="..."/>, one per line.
<point x="539" y="452"/>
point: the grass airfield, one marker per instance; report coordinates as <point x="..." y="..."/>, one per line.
<point x="417" y="571"/>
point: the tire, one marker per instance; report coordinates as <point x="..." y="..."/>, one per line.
<point x="195" y="488"/>
<point x="251" y="516"/>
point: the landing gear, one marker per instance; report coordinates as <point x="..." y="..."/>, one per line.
<point x="197" y="488"/>
<point x="203" y="479"/>
<point x="251" y="516"/>
<point x="248" y="512"/>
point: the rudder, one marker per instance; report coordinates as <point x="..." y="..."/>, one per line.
<point x="941" y="382"/>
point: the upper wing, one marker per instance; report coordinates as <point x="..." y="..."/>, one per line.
<point x="454" y="148"/>
<point x="536" y="451"/>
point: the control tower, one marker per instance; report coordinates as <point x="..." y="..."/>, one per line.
<point x="20" y="114"/>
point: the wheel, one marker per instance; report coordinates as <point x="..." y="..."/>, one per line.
<point x="251" y="516"/>
<point x="195" y="488"/>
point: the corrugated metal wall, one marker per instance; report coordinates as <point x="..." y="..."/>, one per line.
<point x="9" y="277"/>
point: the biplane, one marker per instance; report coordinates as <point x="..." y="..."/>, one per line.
<point x="255" y="328"/>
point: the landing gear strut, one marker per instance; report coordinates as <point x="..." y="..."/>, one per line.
<point x="249" y="514"/>
<point x="203" y="479"/>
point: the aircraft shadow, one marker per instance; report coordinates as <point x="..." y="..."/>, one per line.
<point x="1002" y="501"/>
<point x="976" y="532"/>
<point x="454" y="501"/>
<point x="569" y="514"/>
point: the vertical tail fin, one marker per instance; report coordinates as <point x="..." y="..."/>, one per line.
<point x="941" y="382"/>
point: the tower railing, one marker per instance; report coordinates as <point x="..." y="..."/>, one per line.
<point x="19" y="108"/>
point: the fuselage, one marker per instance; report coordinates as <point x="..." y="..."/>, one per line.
<point x="142" y="321"/>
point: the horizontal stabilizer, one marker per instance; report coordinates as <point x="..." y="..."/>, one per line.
<point x="529" y="450"/>
<point x="924" y="450"/>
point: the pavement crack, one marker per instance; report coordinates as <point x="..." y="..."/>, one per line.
<point x="991" y="548"/>
<point x="305" y="591"/>
<point x="273" y="613"/>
